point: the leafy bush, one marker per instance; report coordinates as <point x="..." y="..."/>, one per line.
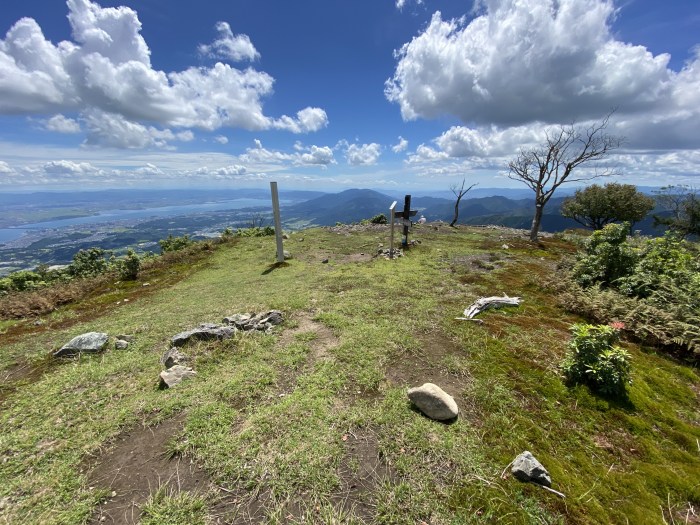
<point x="607" y="257"/>
<point x="21" y="281"/>
<point x="664" y="262"/>
<point x="129" y="266"/>
<point x="256" y="231"/>
<point x="654" y="289"/>
<point x="377" y="219"/>
<point x="88" y="263"/>
<point x="594" y="360"/>
<point x="173" y="244"/>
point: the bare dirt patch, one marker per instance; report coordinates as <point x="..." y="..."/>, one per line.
<point x="136" y="466"/>
<point x="431" y="364"/>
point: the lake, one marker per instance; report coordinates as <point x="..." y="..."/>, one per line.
<point x="11" y="234"/>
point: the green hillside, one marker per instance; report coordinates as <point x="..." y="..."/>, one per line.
<point x="310" y="423"/>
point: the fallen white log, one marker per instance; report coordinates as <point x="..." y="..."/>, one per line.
<point x="484" y="303"/>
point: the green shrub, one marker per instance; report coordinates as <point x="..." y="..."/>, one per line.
<point x="88" y="263"/>
<point x="256" y="231"/>
<point x="377" y="219"/>
<point x="664" y="262"/>
<point x="607" y="257"/>
<point x="173" y="244"/>
<point x="129" y="266"/>
<point x="21" y="280"/>
<point x="594" y="360"/>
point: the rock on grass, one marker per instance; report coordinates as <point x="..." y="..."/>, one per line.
<point x="90" y="342"/>
<point x="433" y="401"/>
<point x="527" y="468"/>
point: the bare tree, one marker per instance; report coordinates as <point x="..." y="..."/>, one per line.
<point x="546" y="167"/>
<point x="459" y="193"/>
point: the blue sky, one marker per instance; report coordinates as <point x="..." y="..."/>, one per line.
<point x="387" y="94"/>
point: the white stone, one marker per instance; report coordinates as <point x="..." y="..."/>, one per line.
<point x="433" y="401"/>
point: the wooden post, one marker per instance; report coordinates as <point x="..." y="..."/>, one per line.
<point x="278" y="221"/>
<point x="406" y="220"/>
<point x="391" y="235"/>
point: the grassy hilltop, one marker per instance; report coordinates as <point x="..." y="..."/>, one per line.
<point x="311" y="423"/>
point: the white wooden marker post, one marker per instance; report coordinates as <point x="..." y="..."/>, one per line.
<point x="391" y="235"/>
<point x="278" y="222"/>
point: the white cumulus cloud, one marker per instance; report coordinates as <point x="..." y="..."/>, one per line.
<point x="425" y="153"/>
<point x="400" y="146"/>
<point x="527" y="60"/>
<point x="5" y="168"/>
<point x="512" y="68"/>
<point x="229" y="46"/>
<point x="106" y="69"/>
<point x="221" y="139"/>
<point x="62" y="124"/>
<point x="317" y="155"/>
<point x="69" y="168"/>
<point x="363" y="155"/>
<point x="308" y="119"/>
<point x="302" y="156"/>
<point x="115" y="131"/>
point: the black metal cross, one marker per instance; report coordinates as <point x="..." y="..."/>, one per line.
<point x="406" y="214"/>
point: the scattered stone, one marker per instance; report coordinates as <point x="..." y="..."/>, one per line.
<point x="90" y="342"/>
<point x="38" y="322"/>
<point x="287" y="255"/>
<point x="285" y="236"/>
<point x="325" y="261"/>
<point x="386" y="253"/>
<point x="261" y="322"/>
<point x="174" y="375"/>
<point x="238" y="320"/>
<point x="146" y="284"/>
<point x="505" y="247"/>
<point x="120" y="344"/>
<point x="173" y="357"/>
<point x="125" y="337"/>
<point x="274" y="317"/>
<point x="527" y="468"/>
<point x="204" y="332"/>
<point x="433" y="401"/>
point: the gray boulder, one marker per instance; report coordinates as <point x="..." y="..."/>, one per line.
<point x="173" y="357"/>
<point x="204" y="332"/>
<point x="121" y="344"/>
<point x="90" y="342"/>
<point x="175" y="375"/>
<point x="527" y="468"/>
<point x="240" y="321"/>
<point x="433" y="401"/>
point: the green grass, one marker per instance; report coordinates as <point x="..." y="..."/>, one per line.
<point x="270" y="417"/>
<point x="166" y="507"/>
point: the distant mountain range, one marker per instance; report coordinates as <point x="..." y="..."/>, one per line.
<point x="357" y="204"/>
